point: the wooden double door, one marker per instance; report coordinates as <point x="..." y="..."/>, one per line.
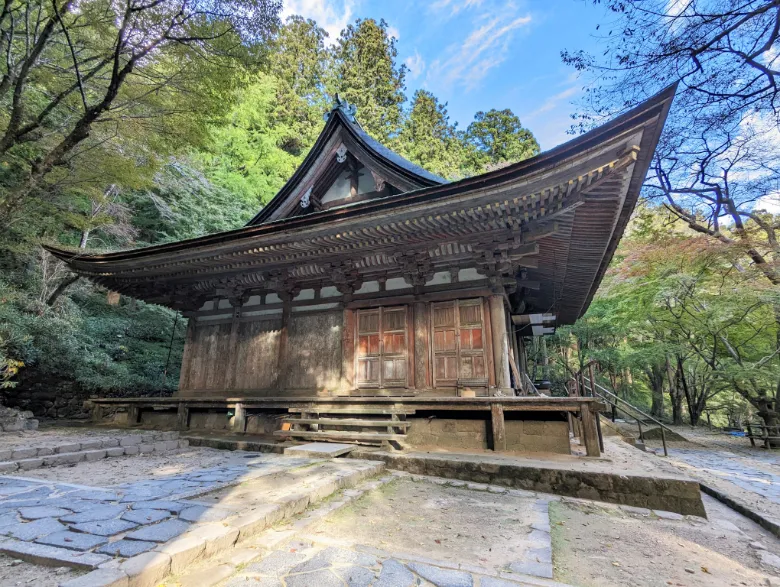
<point x="382" y="347"/>
<point x="457" y="345"/>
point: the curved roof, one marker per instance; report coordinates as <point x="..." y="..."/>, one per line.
<point x="338" y="120"/>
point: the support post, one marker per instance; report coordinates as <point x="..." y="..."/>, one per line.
<point x="133" y="414"/>
<point x="182" y="416"/>
<point x="499" y="430"/>
<point x="281" y="370"/>
<point x="232" y="358"/>
<point x="186" y="359"/>
<point x="589" y="432"/>
<point x="97" y="413"/>
<point x="239" y="419"/>
<point x="348" y="351"/>
<point x="500" y="342"/>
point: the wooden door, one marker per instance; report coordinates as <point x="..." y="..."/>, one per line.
<point x="458" y="342"/>
<point x="382" y="354"/>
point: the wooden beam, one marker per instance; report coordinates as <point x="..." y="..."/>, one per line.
<point x="497" y="422"/>
<point x="186" y="359"/>
<point x="348" y="351"/>
<point x="589" y="432"/>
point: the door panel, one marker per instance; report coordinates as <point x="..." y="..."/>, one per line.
<point x="458" y="342"/>
<point x="382" y="352"/>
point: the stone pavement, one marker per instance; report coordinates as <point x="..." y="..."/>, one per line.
<point x="65" y="524"/>
<point x="309" y="564"/>
<point x="310" y="557"/>
<point x="758" y="472"/>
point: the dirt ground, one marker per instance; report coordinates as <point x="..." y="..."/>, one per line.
<point x="596" y="546"/>
<point x="127" y="469"/>
<point x="438" y="522"/>
<point x="15" y="572"/>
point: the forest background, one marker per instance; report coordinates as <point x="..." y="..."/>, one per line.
<point x="141" y="122"/>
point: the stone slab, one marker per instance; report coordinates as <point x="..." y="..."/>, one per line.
<point x="147" y="569"/>
<point x="33" y="530"/>
<point x="160" y="504"/>
<point x="146" y="516"/>
<point x="73" y="540"/>
<point x="38" y="512"/>
<point x="98" y="513"/>
<point x="442" y="577"/>
<point x="208" y="576"/>
<point x="162" y="532"/>
<point x="99" y="578"/>
<point x="395" y="574"/>
<point x="126" y="548"/>
<point x="105" y="527"/>
<point x="51" y="555"/>
<point x="320" y="449"/>
<point x="200" y="513"/>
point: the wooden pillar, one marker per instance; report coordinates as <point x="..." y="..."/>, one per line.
<point x="500" y="341"/>
<point x="497" y="422"/>
<point x="590" y="434"/>
<point x="182" y="417"/>
<point x="97" y="413"/>
<point x="232" y="358"/>
<point x="133" y="414"/>
<point x="186" y="359"/>
<point x="239" y="419"/>
<point x="348" y="351"/>
<point x="281" y="369"/>
<point x="422" y="346"/>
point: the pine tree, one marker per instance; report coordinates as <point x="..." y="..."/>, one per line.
<point x="498" y="138"/>
<point x="365" y="73"/>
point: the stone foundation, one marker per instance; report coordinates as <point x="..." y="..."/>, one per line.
<point x="521" y="435"/>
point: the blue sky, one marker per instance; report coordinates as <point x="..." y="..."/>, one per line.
<point x="482" y="54"/>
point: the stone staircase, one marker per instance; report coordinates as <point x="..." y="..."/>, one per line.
<point x="372" y="425"/>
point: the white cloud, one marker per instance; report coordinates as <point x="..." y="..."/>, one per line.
<point x="454" y="6"/>
<point x="393" y="32"/>
<point x="554" y="101"/>
<point x="416" y="65"/>
<point x="769" y="203"/>
<point x="331" y="15"/>
<point x="467" y="63"/>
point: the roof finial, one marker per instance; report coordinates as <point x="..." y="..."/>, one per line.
<point x="339" y="103"/>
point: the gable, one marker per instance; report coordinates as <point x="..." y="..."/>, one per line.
<point x="344" y="166"/>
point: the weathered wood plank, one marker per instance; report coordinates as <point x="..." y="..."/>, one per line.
<point x="497" y="423"/>
<point x="589" y="432"/>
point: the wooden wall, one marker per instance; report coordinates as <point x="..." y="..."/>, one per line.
<point x="298" y="353"/>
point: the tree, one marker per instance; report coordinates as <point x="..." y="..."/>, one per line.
<point x="77" y="73"/>
<point x="428" y="139"/>
<point x="716" y="167"/>
<point x="299" y="61"/>
<point x="498" y="137"/>
<point x="366" y="74"/>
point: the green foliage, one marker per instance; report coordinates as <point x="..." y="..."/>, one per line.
<point x="366" y="73"/>
<point x="428" y="139"/>
<point x="498" y="137"/>
<point x="197" y="138"/>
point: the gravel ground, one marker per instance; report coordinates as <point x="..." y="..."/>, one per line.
<point x="15" y="572"/>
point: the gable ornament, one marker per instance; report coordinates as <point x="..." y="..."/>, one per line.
<point x="306" y="199"/>
<point x="341" y="153"/>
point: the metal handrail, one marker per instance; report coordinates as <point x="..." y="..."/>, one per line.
<point x="633" y="407"/>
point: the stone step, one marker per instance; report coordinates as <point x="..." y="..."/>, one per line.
<point x="349" y="422"/>
<point x="262" y="503"/>
<point x="69" y="458"/>
<point x="17" y="454"/>
<point x="372" y="437"/>
<point x="352" y="410"/>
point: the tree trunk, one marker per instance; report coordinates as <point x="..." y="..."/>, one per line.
<point x="64" y="284"/>
<point x="656" y="376"/>
<point x="675" y="397"/>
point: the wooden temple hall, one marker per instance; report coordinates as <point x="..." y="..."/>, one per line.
<point x="372" y="301"/>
